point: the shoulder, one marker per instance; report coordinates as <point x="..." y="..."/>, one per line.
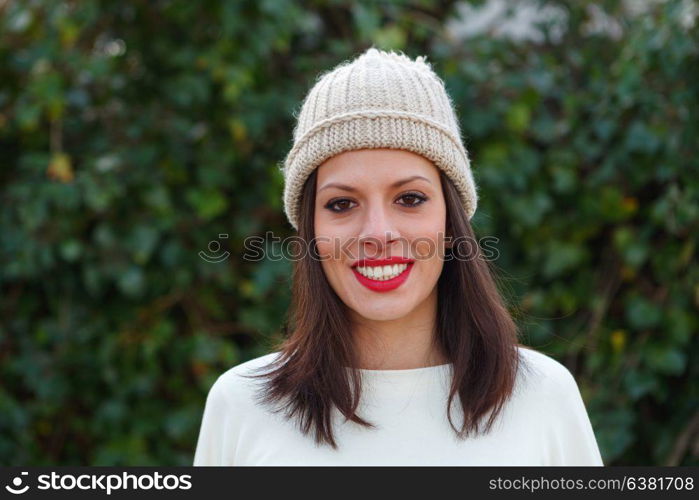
<point x="543" y="374"/>
<point x="238" y="382"/>
<point x="250" y="367"/>
<point x="553" y="404"/>
<point x="546" y="390"/>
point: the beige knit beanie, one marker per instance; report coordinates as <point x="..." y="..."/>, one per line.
<point x="379" y="100"/>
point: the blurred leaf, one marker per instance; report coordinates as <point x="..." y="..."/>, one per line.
<point x="208" y="203"/>
<point x="641" y="313"/>
<point x="60" y="168"/>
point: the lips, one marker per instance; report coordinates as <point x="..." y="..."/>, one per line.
<point x="386" y="285"/>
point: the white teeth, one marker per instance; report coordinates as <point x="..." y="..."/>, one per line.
<point x="382" y="273"/>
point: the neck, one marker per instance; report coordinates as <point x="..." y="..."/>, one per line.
<point x="402" y="343"/>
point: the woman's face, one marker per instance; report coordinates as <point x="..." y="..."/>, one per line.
<point x="372" y="216"/>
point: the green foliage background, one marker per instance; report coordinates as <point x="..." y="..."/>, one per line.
<point x="133" y="134"/>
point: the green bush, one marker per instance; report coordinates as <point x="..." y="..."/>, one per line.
<point x="132" y="135"/>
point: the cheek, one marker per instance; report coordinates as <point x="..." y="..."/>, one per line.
<point x="324" y="246"/>
<point x="426" y="251"/>
<point x="331" y="252"/>
<point x="425" y="246"/>
<point x="334" y="241"/>
<point x="428" y="235"/>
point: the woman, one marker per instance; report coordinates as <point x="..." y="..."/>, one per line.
<point x="401" y="350"/>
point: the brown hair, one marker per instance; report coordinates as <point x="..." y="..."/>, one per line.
<point x="473" y="328"/>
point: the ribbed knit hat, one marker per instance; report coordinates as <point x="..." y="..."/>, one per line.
<point x="378" y="100"/>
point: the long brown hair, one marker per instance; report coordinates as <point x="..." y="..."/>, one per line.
<point x="473" y="328"/>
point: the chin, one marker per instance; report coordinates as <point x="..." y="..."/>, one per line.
<point x="381" y="312"/>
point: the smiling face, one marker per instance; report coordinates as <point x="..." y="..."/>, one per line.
<point x="365" y="210"/>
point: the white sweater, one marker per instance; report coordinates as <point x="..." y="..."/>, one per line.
<point x="544" y="423"/>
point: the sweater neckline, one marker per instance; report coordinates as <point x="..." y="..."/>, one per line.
<point x="405" y="374"/>
<point x="406" y="371"/>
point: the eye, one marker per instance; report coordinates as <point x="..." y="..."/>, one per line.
<point x="415" y="196"/>
<point x="332" y="203"/>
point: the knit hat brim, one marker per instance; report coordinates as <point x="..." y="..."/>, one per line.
<point x="370" y="130"/>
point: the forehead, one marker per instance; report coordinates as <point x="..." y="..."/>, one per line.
<point x="376" y="165"/>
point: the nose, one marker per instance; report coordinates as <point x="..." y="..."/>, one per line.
<point x="378" y="229"/>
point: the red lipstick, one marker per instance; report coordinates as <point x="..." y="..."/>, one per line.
<point x="385" y="285"/>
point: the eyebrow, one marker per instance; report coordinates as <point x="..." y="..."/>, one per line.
<point x="394" y="185"/>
